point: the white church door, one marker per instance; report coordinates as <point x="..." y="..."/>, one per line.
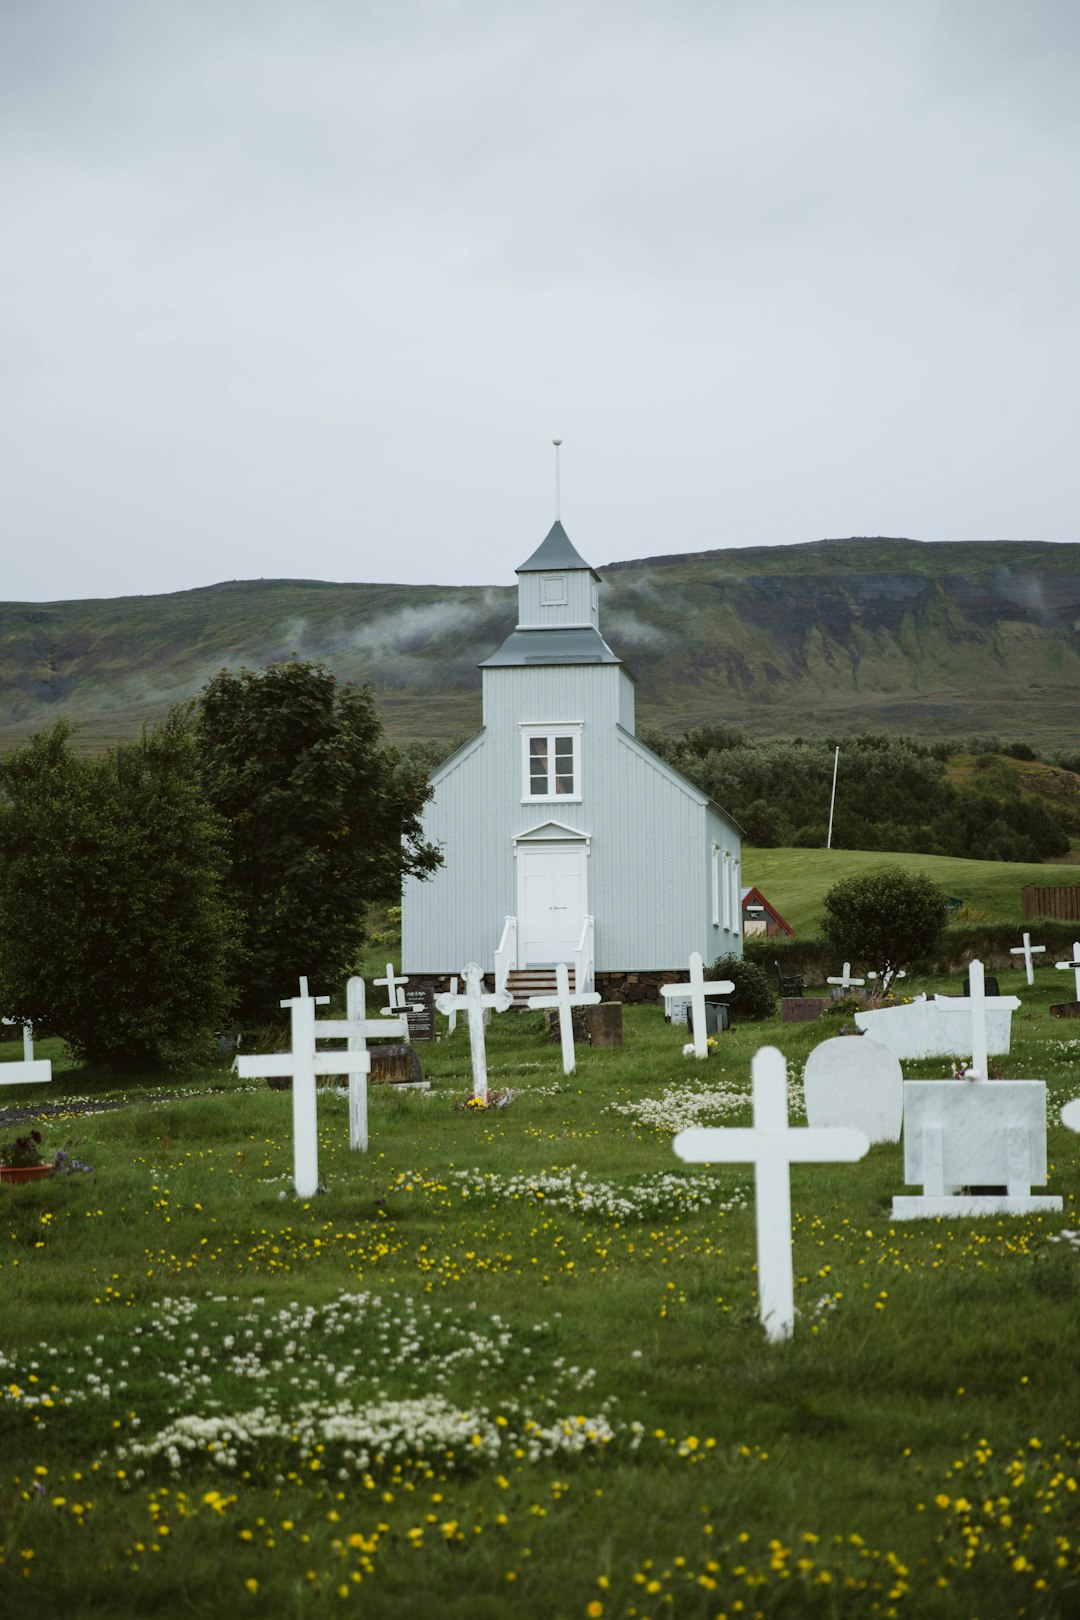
<point x="552" y="901"/>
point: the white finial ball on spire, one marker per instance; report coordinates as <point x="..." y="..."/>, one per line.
<point x="556" y="443"/>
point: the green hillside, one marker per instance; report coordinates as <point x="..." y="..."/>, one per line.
<point x="833" y="636"/>
<point x="796" y="881"/>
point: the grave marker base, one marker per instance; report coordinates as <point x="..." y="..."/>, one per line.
<point x="801" y="1009"/>
<point x="1065" y="1009"/>
<point x="920" y="1207"/>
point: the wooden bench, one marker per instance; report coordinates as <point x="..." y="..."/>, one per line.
<point x="791" y="984"/>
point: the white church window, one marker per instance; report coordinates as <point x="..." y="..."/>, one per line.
<point x="551" y="762"/>
<point x="553" y="590"/>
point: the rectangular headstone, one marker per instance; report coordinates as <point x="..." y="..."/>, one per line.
<point x="419" y="1010"/>
<point x="801" y="1009"/>
<point x="605" y="1023"/>
<point x="986" y="1133"/>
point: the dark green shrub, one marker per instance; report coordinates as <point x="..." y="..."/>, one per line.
<point x="886" y="919"/>
<point x="753" y="996"/>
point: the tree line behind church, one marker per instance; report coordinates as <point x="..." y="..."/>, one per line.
<point x="893" y="792"/>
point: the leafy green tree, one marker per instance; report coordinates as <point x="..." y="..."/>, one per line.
<point x="113" y="929"/>
<point x="322" y="817"/>
<point x="885" y="920"/>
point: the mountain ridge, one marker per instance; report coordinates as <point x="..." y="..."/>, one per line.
<point x="938" y="638"/>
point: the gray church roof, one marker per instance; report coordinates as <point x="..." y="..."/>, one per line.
<point x="580" y="645"/>
<point x="555" y="551"/>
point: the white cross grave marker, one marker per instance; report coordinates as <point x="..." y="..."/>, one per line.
<point x="978" y="1002"/>
<point x="772" y="1147"/>
<point x="887" y="978"/>
<point x="27" y="1038"/>
<point x="31" y="1071"/>
<point x="451" y="1017"/>
<point x="303" y="1063"/>
<point x="1074" y="964"/>
<point x="475" y="1001"/>
<point x="360" y="1027"/>
<point x="696" y="989"/>
<point x="394" y="998"/>
<point x="1027" y="950"/>
<point x="566" y="1004"/>
<point x="845" y="981"/>
<point x="1070" y="1114"/>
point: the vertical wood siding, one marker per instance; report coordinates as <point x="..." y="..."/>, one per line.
<point x="651" y="834"/>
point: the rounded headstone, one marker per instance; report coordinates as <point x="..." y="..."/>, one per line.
<point x="855" y="1082"/>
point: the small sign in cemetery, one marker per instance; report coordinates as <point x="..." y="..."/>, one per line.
<point x="960" y="1134"/>
<point x="696" y="990"/>
<point x="302" y="1064"/>
<point x="1070" y="1114"/>
<point x="1073" y="964"/>
<point x="565" y="1002"/>
<point x="417" y="1008"/>
<point x="473" y="1001"/>
<point x="772" y="1147"/>
<point x="1027" y="950"/>
<point x="845" y="981"/>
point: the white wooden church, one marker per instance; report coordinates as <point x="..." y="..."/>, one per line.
<point x="564" y="838"/>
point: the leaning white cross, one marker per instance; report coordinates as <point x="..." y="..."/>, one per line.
<point x="1074" y="964"/>
<point x="772" y="1147"/>
<point x="566" y="1004"/>
<point x="303" y="1063"/>
<point x="696" y="989"/>
<point x="360" y="1028"/>
<point x="1027" y="950"/>
<point x="1070" y="1114"/>
<point x="845" y="981"/>
<point x="394" y="998"/>
<point x="473" y="1001"/>
<point x="978" y="1002"/>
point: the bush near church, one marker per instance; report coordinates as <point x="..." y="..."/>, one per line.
<point x="753" y="996"/>
<point x="885" y="919"/>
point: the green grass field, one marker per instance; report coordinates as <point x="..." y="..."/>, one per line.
<point x="796" y="881"/>
<point x="509" y="1363"/>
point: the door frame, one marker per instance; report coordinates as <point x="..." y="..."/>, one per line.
<point x="550" y="833"/>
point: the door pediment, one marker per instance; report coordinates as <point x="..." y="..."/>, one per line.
<point x="549" y="832"/>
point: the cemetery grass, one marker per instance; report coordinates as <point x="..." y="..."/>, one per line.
<point x="631" y="1447"/>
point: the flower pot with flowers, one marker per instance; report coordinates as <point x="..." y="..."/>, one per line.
<point x="21" y="1160"/>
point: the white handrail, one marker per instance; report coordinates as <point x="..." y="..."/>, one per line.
<point x="506" y="955"/>
<point x="585" y="959"/>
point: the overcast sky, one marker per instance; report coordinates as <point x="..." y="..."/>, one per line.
<point x="305" y="287"/>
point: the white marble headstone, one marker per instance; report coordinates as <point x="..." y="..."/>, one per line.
<point x="857" y="1082"/>
<point x="961" y="1133"/>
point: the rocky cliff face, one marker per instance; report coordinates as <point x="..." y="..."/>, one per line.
<point x="833" y="636"/>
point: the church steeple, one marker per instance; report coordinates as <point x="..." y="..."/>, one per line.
<point x="557" y="589"/>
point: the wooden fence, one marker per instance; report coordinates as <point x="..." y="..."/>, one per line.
<point x="1060" y="900"/>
